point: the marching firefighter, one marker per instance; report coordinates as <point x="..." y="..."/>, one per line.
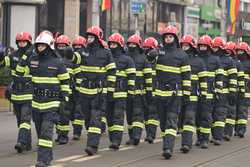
<point x="173" y="85"/>
<point x="224" y="108"/>
<point x="190" y="114"/>
<point x="242" y="51"/>
<point x="62" y="43"/>
<point x="136" y="103"/>
<point x="151" y="116"/>
<point x="239" y="106"/>
<point x="78" y="43"/>
<point x="97" y="84"/>
<point x="125" y="80"/>
<point x="50" y="81"/>
<point x="20" y="92"/>
<point x="214" y="94"/>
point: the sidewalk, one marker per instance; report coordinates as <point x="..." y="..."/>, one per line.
<point x="4" y="105"/>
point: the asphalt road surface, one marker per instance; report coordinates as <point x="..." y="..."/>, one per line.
<point x="235" y="153"/>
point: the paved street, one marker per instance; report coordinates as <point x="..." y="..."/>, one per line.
<point x="231" y="154"/>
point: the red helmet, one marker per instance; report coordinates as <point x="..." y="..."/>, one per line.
<point x="96" y="31"/>
<point x="218" y="42"/>
<point x="63" y="39"/>
<point x="189" y="39"/>
<point x="23" y="36"/>
<point x="170" y="30"/>
<point x="242" y="46"/>
<point x="117" y="38"/>
<point x="136" y="39"/>
<point x="205" y="40"/>
<point x="230" y="46"/>
<point x="79" y="40"/>
<point x="150" y="42"/>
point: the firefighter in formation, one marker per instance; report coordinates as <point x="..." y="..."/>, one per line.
<point x="181" y="85"/>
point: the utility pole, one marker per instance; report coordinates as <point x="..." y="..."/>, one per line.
<point x="223" y="19"/>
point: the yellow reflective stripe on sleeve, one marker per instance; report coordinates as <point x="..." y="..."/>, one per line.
<point x="194" y="77"/>
<point x="88" y="91"/>
<point x="78" y="80"/>
<point x="147" y="70"/>
<point x="233" y="81"/>
<point x="121" y="73"/>
<point x="120" y="94"/>
<point x="203" y="74"/>
<point x="185" y="68"/>
<point x="209" y="96"/>
<point x="131" y="82"/>
<point x="94" y="69"/>
<point x="53" y="80"/>
<point x="20" y="69"/>
<point x="7" y="61"/>
<point x="65" y="88"/>
<point x="70" y="70"/>
<point x="232" y="89"/>
<point x="111" y="78"/>
<point x="203" y="85"/>
<point x="149" y="80"/>
<point x="25" y="126"/>
<point x="104" y="120"/>
<point x="210" y="74"/>
<point x="149" y="88"/>
<point x="240" y="74"/>
<point x="247" y="95"/>
<point x="232" y="71"/>
<point x="193" y="98"/>
<point x="219" y="124"/>
<point x="138" y="124"/>
<point x="170" y="69"/>
<point x="110" y="66"/>
<point x="44" y="106"/>
<point x="63" y="76"/>
<point x="139" y="73"/>
<point x="172" y="132"/>
<point x="45" y="143"/>
<point x="241" y="122"/>
<point x="24" y="57"/>
<point x="230" y="121"/>
<point x="241" y="83"/>
<point x="130" y="70"/>
<point x="94" y="130"/>
<point x="78" y="57"/>
<point x="78" y="122"/>
<point x="77" y="70"/>
<point x="189" y="128"/>
<point x="137" y="92"/>
<point x="205" y="130"/>
<point x="186" y="83"/>
<point x="152" y="122"/>
<point x="63" y="127"/>
<point x="185" y="92"/>
<point x="159" y="92"/>
<point x="220" y="83"/>
<point x="219" y="71"/>
<point x="225" y="90"/>
<point x="21" y="97"/>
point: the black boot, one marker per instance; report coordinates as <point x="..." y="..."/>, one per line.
<point x="114" y="146"/>
<point x="167" y="154"/>
<point x="204" y="145"/>
<point x="20" y="147"/>
<point x="150" y="140"/>
<point x="90" y="150"/>
<point x="185" y="149"/>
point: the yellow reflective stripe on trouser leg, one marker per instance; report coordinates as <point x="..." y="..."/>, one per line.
<point x="137" y="124"/>
<point x="116" y="128"/>
<point x="63" y="127"/>
<point x="94" y="130"/>
<point x="152" y="122"/>
<point x="172" y="132"/>
<point x="78" y="122"/>
<point x="205" y="130"/>
<point x="189" y="128"/>
<point x="241" y="122"/>
<point x="45" y="143"/>
<point x="104" y="120"/>
<point x="219" y="124"/>
<point x="25" y="126"/>
<point x="230" y="121"/>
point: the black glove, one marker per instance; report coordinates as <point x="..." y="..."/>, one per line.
<point x="232" y="98"/>
<point x="152" y="55"/>
<point x="7" y="94"/>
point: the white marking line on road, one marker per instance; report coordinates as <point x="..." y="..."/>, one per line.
<point x="69" y="158"/>
<point x="104" y="149"/>
<point x="157" y="140"/>
<point x="57" y="165"/>
<point x="87" y="158"/>
<point x="127" y="148"/>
